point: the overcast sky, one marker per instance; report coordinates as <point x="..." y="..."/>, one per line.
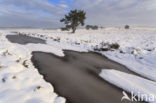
<point x="47" y="13"/>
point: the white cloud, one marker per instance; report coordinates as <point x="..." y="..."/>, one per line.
<point x="40" y="5"/>
<point x="119" y="12"/>
<point x="63" y="6"/>
<point x="38" y="13"/>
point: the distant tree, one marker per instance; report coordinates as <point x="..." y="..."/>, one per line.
<point x="88" y="27"/>
<point x="73" y="19"/>
<point x="126" y="26"/>
<point x="93" y="27"/>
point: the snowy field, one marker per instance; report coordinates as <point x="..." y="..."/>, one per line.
<point x="20" y="81"/>
<point x="137" y="51"/>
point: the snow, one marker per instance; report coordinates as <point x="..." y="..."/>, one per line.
<point x="137" y="51"/>
<point x="130" y="83"/>
<point x="137" y="44"/>
<point x="143" y="63"/>
<point x="143" y="38"/>
<point x="20" y="81"/>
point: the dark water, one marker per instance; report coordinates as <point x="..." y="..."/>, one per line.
<point x="76" y="76"/>
<point x="22" y="39"/>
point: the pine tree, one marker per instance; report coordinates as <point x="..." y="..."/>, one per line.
<point x="73" y="19"/>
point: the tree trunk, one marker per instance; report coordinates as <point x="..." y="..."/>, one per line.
<point x="74" y="29"/>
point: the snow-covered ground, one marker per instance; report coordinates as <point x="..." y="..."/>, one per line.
<point x="20" y="82"/>
<point x="137" y="51"/>
<point x="137" y="46"/>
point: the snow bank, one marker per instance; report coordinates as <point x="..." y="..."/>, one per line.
<point x="130" y="83"/>
<point x="143" y="63"/>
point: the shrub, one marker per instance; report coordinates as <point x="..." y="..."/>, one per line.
<point x="93" y="27"/>
<point x="87" y="27"/>
<point x="106" y="47"/>
<point x="126" y="26"/>
<point x="115" y="46"/>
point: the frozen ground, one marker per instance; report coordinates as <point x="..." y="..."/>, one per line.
<point x="137" y="51"/>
